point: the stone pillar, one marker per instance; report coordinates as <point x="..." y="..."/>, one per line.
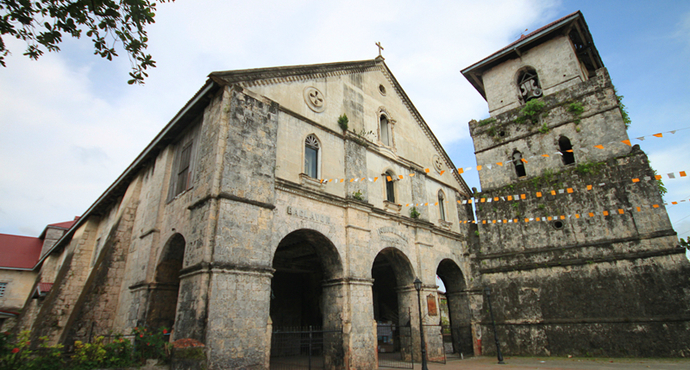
<point x="190" y="317"/>
<point x="408" y="315"/>
<point x="359" y="334"/>
<point x="238" y="312"/>
<point x="332" y="305"/>
<point x="432" y="326"/>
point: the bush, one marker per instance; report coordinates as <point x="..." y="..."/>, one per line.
<point x="16" y="353"/>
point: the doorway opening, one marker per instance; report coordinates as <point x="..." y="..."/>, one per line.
<point x="456" y="327"/>
<point x="305" y="312"/>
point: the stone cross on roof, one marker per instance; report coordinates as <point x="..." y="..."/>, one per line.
<point x="380" y="47"/>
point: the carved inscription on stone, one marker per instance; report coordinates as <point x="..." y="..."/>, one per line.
<point x="308" y="215"/>
<point x="392" y="235"/>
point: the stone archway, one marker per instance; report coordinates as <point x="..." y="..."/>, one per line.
<point x="163" y="292"/>
<point x="394" y="300"/>
<point x="306" y="297"/>
<point x="458" y="306"/>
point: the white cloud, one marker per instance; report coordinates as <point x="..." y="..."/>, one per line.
<point x="70" y="125"/>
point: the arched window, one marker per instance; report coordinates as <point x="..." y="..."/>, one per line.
<point x="311" y="156"/>
<point x="384" y="128"/>
<point x="528" y="84"/>
<point x="567" y="150"/>
<point x="390" y="186"/>
<point x="441" y="205"/>
<point x="519" y="165"/>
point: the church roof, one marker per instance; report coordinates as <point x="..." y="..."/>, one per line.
<point x="64" y="225"/>
<point x="19" y="252"/>
<point x="587" y="52"/>
<point x="297" y="72"/>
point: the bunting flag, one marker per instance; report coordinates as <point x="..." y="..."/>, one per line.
<point x="670" y="175"/>
<point x="605" y="213"/>
<point x="496" y="165"/>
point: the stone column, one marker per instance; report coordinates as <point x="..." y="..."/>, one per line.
<point x="432" y="328"/>
<point x="359" y="334"/>
<point x="333" y="302"/>
<point x="408" y="316"/>
<point x="238" y="312"/>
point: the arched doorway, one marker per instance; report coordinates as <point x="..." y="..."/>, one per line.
<point x="306" y="304"/>
<point x="458" y="330"/>
<point x="164" y="290"/>
<point x="394" y="299"/>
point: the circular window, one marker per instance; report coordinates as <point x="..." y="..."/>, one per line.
<point x="382" y="90"/>
<point x="438" y="163"/>
<point x="558" y="224"/>
<point x="314" y="98"/>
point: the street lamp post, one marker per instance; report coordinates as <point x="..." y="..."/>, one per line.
<point x="491" y="312"/>
<point x="418" y="287"/>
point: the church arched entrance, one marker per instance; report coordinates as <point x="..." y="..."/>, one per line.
<point x="164" y="290"/>
<point x="306" y="302"/>
<point x="394" y="297"/>
<point x="457" y="330"/>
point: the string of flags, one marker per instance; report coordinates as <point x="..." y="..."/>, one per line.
<point x="489" y="166"/>
<point x="610" y="212"/>
<point x="605" y="213"/>
<point x="670" y="175"/>
<point x="660" y="134"/>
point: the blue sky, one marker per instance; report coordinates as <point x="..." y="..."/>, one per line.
<point x="70" y="124"/>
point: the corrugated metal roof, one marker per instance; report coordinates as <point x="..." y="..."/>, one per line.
<point x="65" y="225"/>
<point x="19" y="252"/>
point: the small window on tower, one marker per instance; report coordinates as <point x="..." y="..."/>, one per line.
<point x="519" y="164"/>
<point x="528" y="84"/>
<point x="566" y="150"/>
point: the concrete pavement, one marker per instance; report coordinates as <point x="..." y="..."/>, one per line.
<point x="560" y="363"/>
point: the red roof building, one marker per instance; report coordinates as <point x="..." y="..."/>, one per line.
<point x="20" y="260"/>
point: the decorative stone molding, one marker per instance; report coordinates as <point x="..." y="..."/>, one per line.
<point x="315" y="99"/>
<point x="392" y="207"/>
<point x="306" y="180"/>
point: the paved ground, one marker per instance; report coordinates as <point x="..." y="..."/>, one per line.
<point x="558" y="363"/>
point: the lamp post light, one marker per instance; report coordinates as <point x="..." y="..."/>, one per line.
<point x="418" y="287"/>
<point x="491" y="312"/>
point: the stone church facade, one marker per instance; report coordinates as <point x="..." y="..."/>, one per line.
<point x="256" y="209"/>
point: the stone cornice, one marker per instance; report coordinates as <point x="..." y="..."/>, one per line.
<point x="657" y="234"/>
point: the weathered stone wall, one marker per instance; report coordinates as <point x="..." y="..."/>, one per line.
<point x="53" y="316"/>
<point x="556" y="64"/>
<point x="584" y="284"/>
<point x="631" y="307"/>
<point x="600" y="123"/>
<point x="52" y="235"/>
<point x="96" y="309"/>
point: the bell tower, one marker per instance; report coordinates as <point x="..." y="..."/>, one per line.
<point x="574" y="237"/>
